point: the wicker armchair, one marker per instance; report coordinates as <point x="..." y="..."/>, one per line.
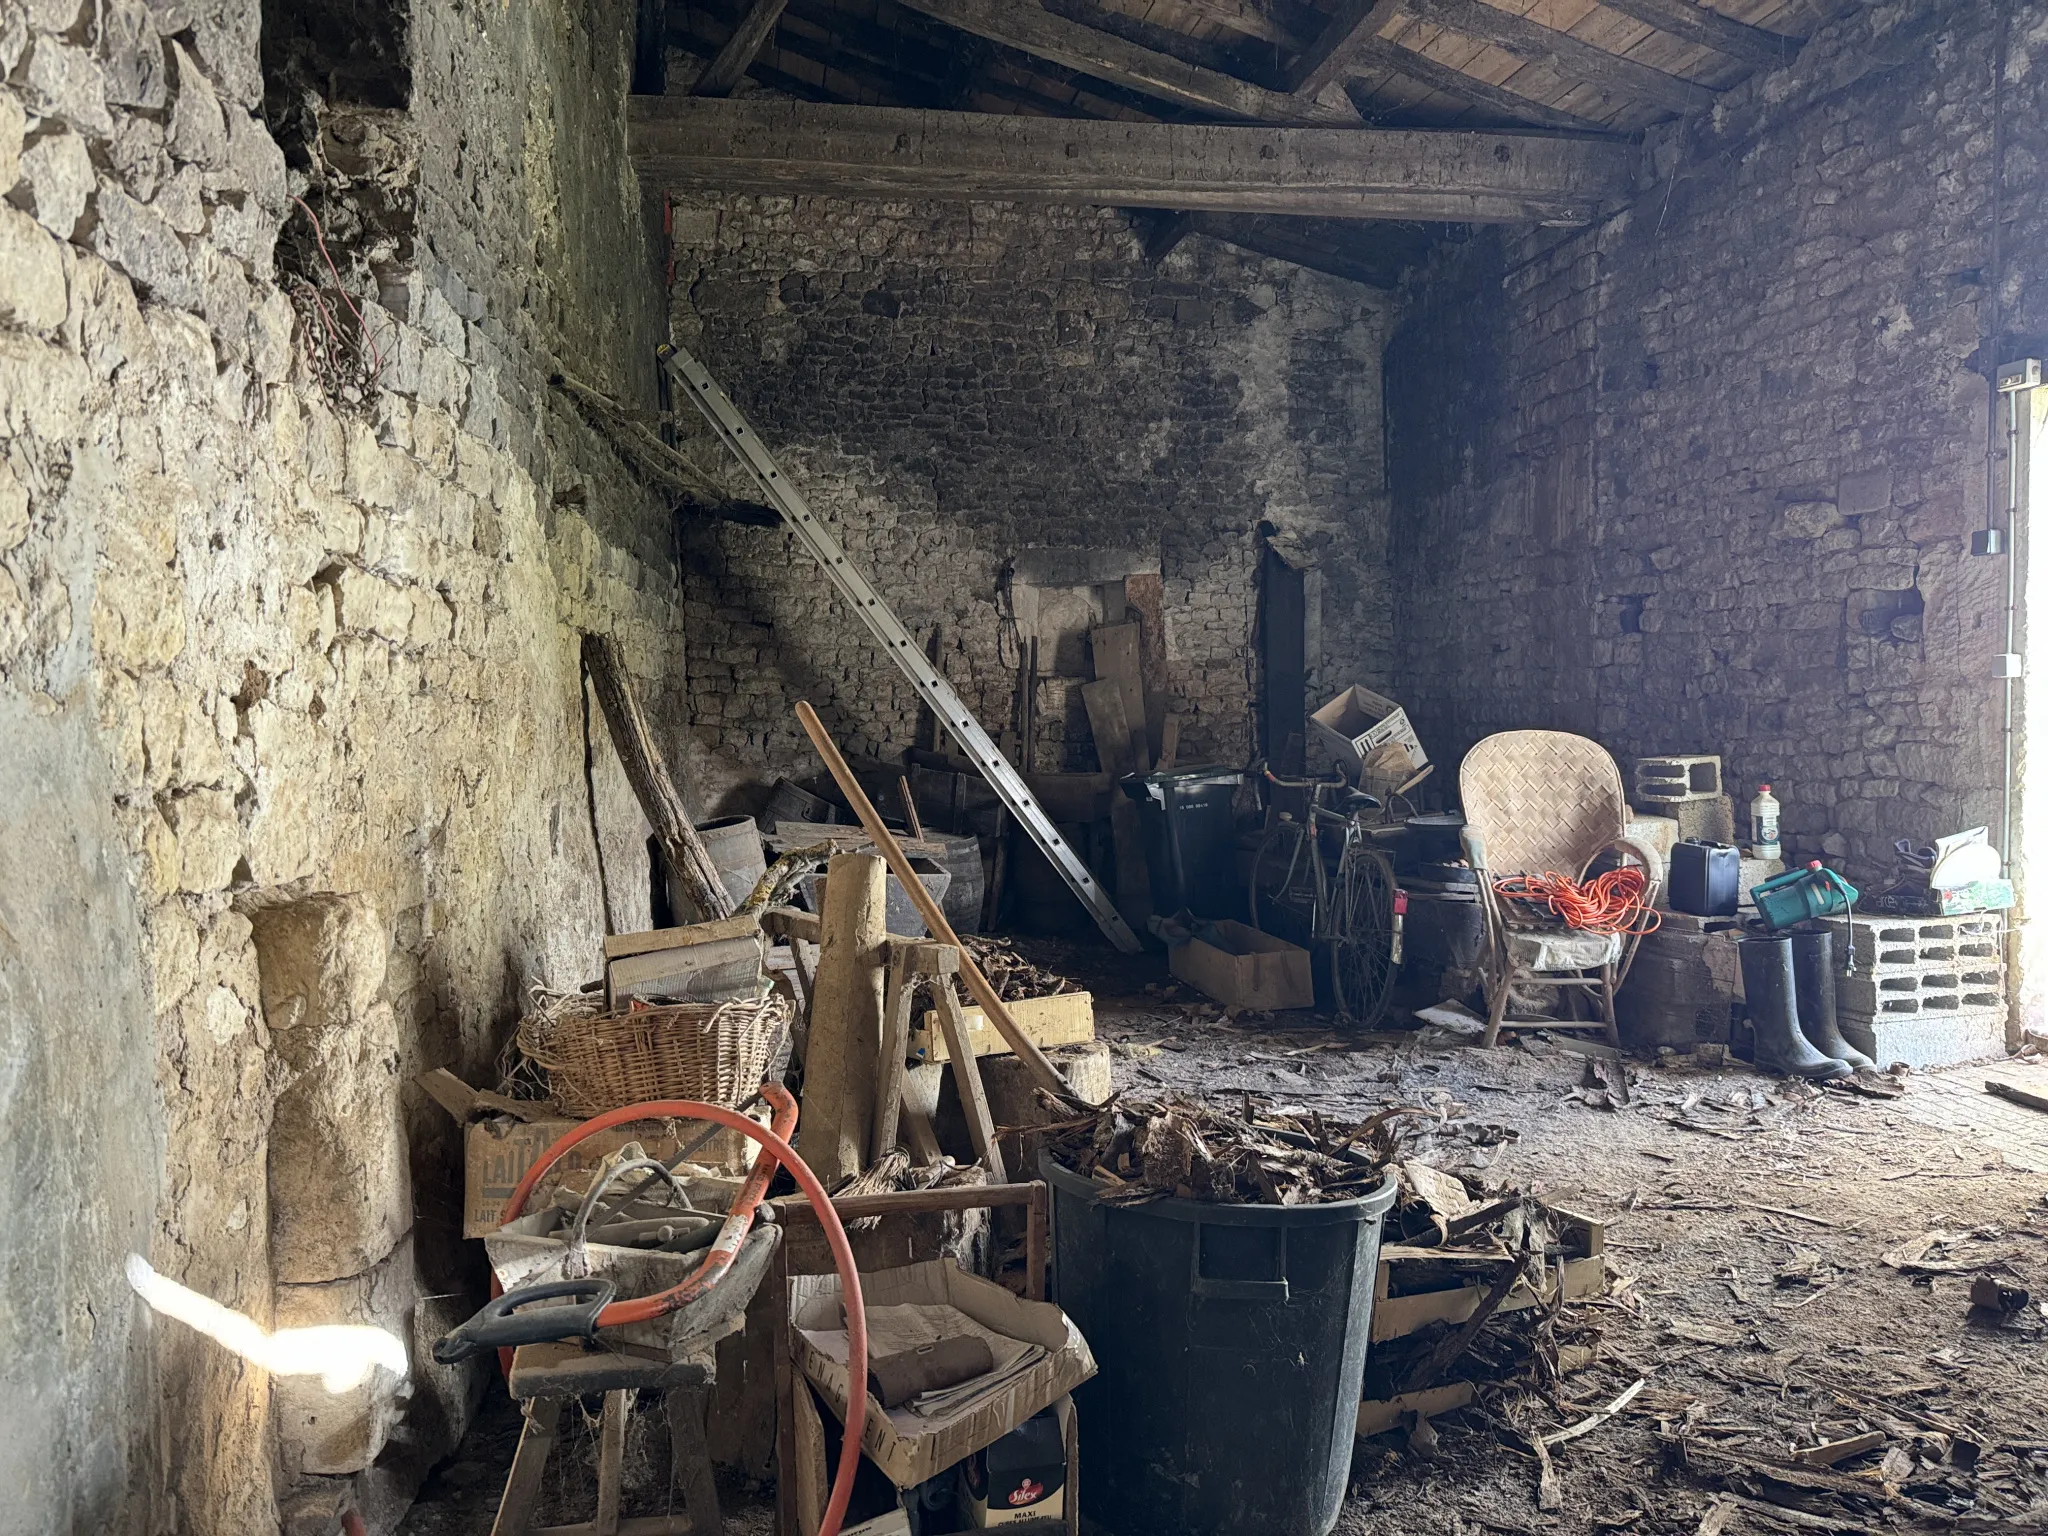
<point x="1546" y="802"/>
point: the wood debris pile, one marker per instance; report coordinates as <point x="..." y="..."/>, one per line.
<point x="1137" y="1150"/>
<point x="1010" y="973"/>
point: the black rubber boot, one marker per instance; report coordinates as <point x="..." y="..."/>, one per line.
<point x="1767" y="985"/>
<point x="1813" y="973"/>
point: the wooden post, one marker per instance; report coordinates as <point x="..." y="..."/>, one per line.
<point x="981" y="1129"/>
<point x="648" y="774"/>
<point x="845" y="1046"/>
<point x="1040" y="1065"/>
<point x="895" y="1042"/>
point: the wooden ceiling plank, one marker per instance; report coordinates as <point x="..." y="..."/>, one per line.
<point x="1470" y="88"/>
<point x="768" y="146"/>
<point x="740" y="50"/>
<point x="1566" y="55"/>
<point x="1697" y="24"/>
<point x="1040" y="33"/>
<point x="1326" y="58"/>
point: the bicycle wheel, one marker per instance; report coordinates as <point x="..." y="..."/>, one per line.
<point x="1362" y="939"/>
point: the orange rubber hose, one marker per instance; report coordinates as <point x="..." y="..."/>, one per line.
<point x="1609" y="903"/>
<point x="775" y="1148"/>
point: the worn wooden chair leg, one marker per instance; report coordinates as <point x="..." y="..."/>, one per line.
<point x="1606" y="992"/>
<point x="691" y="1456"/>
<point x="536" y="1440"/>
<point x="1496" y="1012"/>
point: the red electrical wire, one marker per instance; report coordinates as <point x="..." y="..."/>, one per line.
<point x="1609" y="903"/>
<point x="775" y="1149"/>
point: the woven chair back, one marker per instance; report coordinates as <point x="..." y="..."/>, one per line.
<point x="1542" y="802"/>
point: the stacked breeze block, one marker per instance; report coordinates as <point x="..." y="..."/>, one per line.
<point x="1662" y="781"/>
<point x="1927" y="991"/>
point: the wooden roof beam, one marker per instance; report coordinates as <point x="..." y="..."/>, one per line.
<point x="1378" y="53"/>
<point x="740" y="50"/>
<point x="1566" y="55"/>
<point x="1329" y="56"/>
<point x="787" y="148"/>
<point x="1030" y="29"/>
<point x="1698" y="24"/>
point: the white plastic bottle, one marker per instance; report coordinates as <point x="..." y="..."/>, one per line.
<point x="1763" y="824"/>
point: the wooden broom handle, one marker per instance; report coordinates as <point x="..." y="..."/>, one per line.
<point x="1036" y="1062"/>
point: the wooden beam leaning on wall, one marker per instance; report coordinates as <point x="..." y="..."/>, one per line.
<point x="648" y="774"/>
<point x="1043" y="35"/>
<point x="784" y="148"/>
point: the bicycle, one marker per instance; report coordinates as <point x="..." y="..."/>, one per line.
<point x="1336" y="894"/>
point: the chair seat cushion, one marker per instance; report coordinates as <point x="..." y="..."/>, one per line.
<point x="1568" y="949"/>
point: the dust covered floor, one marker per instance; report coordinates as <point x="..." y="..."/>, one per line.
<point x="1755" y="1236"/>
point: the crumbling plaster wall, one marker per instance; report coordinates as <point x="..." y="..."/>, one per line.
<point x="953" y="384"/>
<point x="1702" y="478"/>
<point x="256" y="643"/>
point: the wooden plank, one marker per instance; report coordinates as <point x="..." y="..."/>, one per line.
<point x="812" y="1480"/>
<point x="1841" y="1450"/>
<point x="1329" y="56"/>
<point x="617" y="946"/>
<point x="1065" y="1018"/>
<point x="1044" y="35"/>
<point x="895" y="1045"/>
<point x="1169" y="744"/>
<point x="981" y="1129"/>
<point x="843" y="1055"/>
<point x="1699" y="24"/>
<point x="842" y="839"/>
<point x="1378" y="1415"/>
<point x="450" y="1092"/>
<point x="1104" y="701"/>
<point x="529" y="1461"/>
<point x="690" y="1459"/>
<point x="740" y="50"/>
<point x="1145" y="596"/>
<point x="1378" y="53"/>
<point x="1117" y="659"/>
<point x="780" y="147"/>
<point x="1566" y="55"/>
<point x="948" y="1197"/>
<point x="2015" y="1095"/>
<point x="1248" y="18"/>
<point x="611" y="1459"/>
<point x="659" y="798"/>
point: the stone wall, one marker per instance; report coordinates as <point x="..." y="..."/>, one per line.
<point x="963" y="387"/>
<point x="282" y="625"/>
<point x="1703" y="478"/>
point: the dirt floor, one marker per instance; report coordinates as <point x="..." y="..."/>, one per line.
<point x="1788" y="1267"/>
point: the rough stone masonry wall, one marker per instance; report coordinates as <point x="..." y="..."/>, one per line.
<point x="1703" y="478"/>
<point x="265" y="651"/>
<point x="956" y="384"/>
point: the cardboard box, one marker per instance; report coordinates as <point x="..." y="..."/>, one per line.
<point x="1358" y="722"/>
<point x="1066" y="1018"/>
<point x="907" y="1447"/>
<point x="1244" y="968"/>
<point x="498" y="1151"/>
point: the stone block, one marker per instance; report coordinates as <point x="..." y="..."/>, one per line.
<point x="13" y="125"/>
<point x="199" y="132"/>
<point x="1931" y="1040"/>
<point x="60" y="178"/>
<point x="1664" y="781"/>
<point x="141" y="242"/>
<point x="134" y="55"/>
<point x="335" y="1433"/>
<point x="340" y="1193"/>
<point x="32" y="294"/>
<point x="62" y="81"/>
<point x="1713" y="820"/>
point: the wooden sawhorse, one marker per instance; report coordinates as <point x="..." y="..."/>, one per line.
<point x="545" y="1377"/>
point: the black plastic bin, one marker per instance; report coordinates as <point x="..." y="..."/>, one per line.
<point x="1190" y="839"/>
<point x="1231" y="1345"/>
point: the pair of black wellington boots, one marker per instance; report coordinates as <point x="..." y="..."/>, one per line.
<point x="1789" y="981"/>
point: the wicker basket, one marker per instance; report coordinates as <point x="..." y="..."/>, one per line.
<point x="596" y="1061"/>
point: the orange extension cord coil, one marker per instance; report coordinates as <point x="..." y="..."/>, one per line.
<point x="1609" y="903"/>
